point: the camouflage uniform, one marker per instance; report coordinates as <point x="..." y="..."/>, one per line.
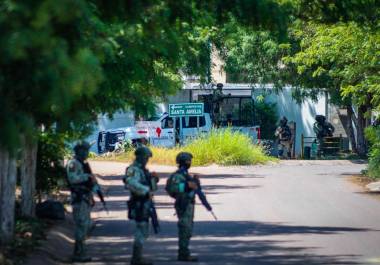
<point x="140" y="185"/>
<point x="81" y="197"/>
<point x="322" y="129"/>
<point x="284" y="135"/>
<point x="217" y="99"/>
<point x="184" y="206"/>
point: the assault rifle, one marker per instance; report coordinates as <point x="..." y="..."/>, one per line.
<point x="96" y="187"/>
<point x="154" y="217"/>
<point x="202" y="197"/>
<point x="99" y="192"/>
<point x="152" y="208"/>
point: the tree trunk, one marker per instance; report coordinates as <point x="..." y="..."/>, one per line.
<point x="8" y="176"/>
<point x="361" y="122"/>
<point x="350" y="128"/>
<point x="28" y="179"/>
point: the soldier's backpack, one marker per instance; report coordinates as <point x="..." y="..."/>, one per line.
<point x="125" y="177"/>
<point x="169" y="186"/>
<point x="286" y="134"/>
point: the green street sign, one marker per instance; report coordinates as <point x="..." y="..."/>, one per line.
<point x="186" y="109"/>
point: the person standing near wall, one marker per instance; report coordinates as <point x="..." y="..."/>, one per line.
<point x="322" y="129"/>
<point x="284" y="136"/>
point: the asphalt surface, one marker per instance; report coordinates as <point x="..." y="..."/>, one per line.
<point x="289" y="213"/>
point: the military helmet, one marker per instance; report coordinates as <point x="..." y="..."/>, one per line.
<point x="182" y="157"/>
<point x="82" y="145"/>
<point x="283" y="121"/>
<point x="320" y="118"/>
<point x="143" y="151"/>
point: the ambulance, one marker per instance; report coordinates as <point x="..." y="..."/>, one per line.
<point x="169" y="131"/>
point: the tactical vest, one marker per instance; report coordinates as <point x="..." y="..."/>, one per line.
<point x="81" y="191"/>
<point x="138" y="209"/>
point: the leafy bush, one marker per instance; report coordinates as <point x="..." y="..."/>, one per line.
<point x="28" y="234"/>
<point x="373" y="136"/>
<point x="266" y="116"/>
<point x="50" y="157"/>
<point x="92" y="155"/>
<point x="225" y="147"/>
<point x="222" y="147"/>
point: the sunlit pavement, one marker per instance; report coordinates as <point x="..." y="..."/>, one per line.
<point x="288" y="213"/>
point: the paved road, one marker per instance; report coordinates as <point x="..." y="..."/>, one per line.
<point x="290" y="213"/>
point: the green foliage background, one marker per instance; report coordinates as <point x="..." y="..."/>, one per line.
<point x="267" y="117"/>
<point x="373" y="136"/>
<point x="51" y="173"/>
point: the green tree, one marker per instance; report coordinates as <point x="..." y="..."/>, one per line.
<point x="64" y="62"/>
<point x="44" y="65"/>
<point x="346" y="57"/>
<point x="251" y="56"/>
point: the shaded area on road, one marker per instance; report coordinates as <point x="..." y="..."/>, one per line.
<point x="269" y="215"/>
<point x="233" y="229"/>
<point x="289" y="213"/>
<point x="220" y="242"/>
<point x="118" y="189"/>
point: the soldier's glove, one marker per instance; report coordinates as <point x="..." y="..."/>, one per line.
<point x="191" y="185"/>
<point x="88" y="184"/>
<point x="155" y="176"/>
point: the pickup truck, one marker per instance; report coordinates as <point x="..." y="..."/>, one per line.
<point x="163" y="131"/>
<point x="168" y="131"/>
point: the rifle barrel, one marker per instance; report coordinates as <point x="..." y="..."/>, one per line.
<point x="213" y="214"/>
<point x="202" y="197"/>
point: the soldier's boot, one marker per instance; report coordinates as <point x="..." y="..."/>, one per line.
<point x="184" y="254"/>
<point x="187" y="258"/>
<point x="137" y="258"/>
<point x="79" y="253"/>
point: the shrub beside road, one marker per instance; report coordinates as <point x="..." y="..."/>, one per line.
<point x="222" y="147"/>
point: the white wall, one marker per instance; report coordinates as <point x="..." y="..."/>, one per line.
<point x="303" y="114"/>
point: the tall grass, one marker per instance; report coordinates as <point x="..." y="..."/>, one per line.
<point x="222" y="147"/>
<point x="225" y="147"/>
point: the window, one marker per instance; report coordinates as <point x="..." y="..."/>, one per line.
<point x="168" y="123"/>
<point x="191" y="122"/>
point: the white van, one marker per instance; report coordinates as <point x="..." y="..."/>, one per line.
<point x="168" y="131"/>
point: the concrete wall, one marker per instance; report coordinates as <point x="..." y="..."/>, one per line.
<point x="303" y="114"/>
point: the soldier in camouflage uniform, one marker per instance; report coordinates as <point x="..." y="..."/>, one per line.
<point x="81" y="184"/>
<point x="322" y="128"/>
<point x="217" y="99"/>
<point x="181" y="186"/>
<point x="284" y="136"/>
<point x="141" y="185"/>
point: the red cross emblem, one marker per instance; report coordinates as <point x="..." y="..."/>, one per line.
<point x="158" y="131"/>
